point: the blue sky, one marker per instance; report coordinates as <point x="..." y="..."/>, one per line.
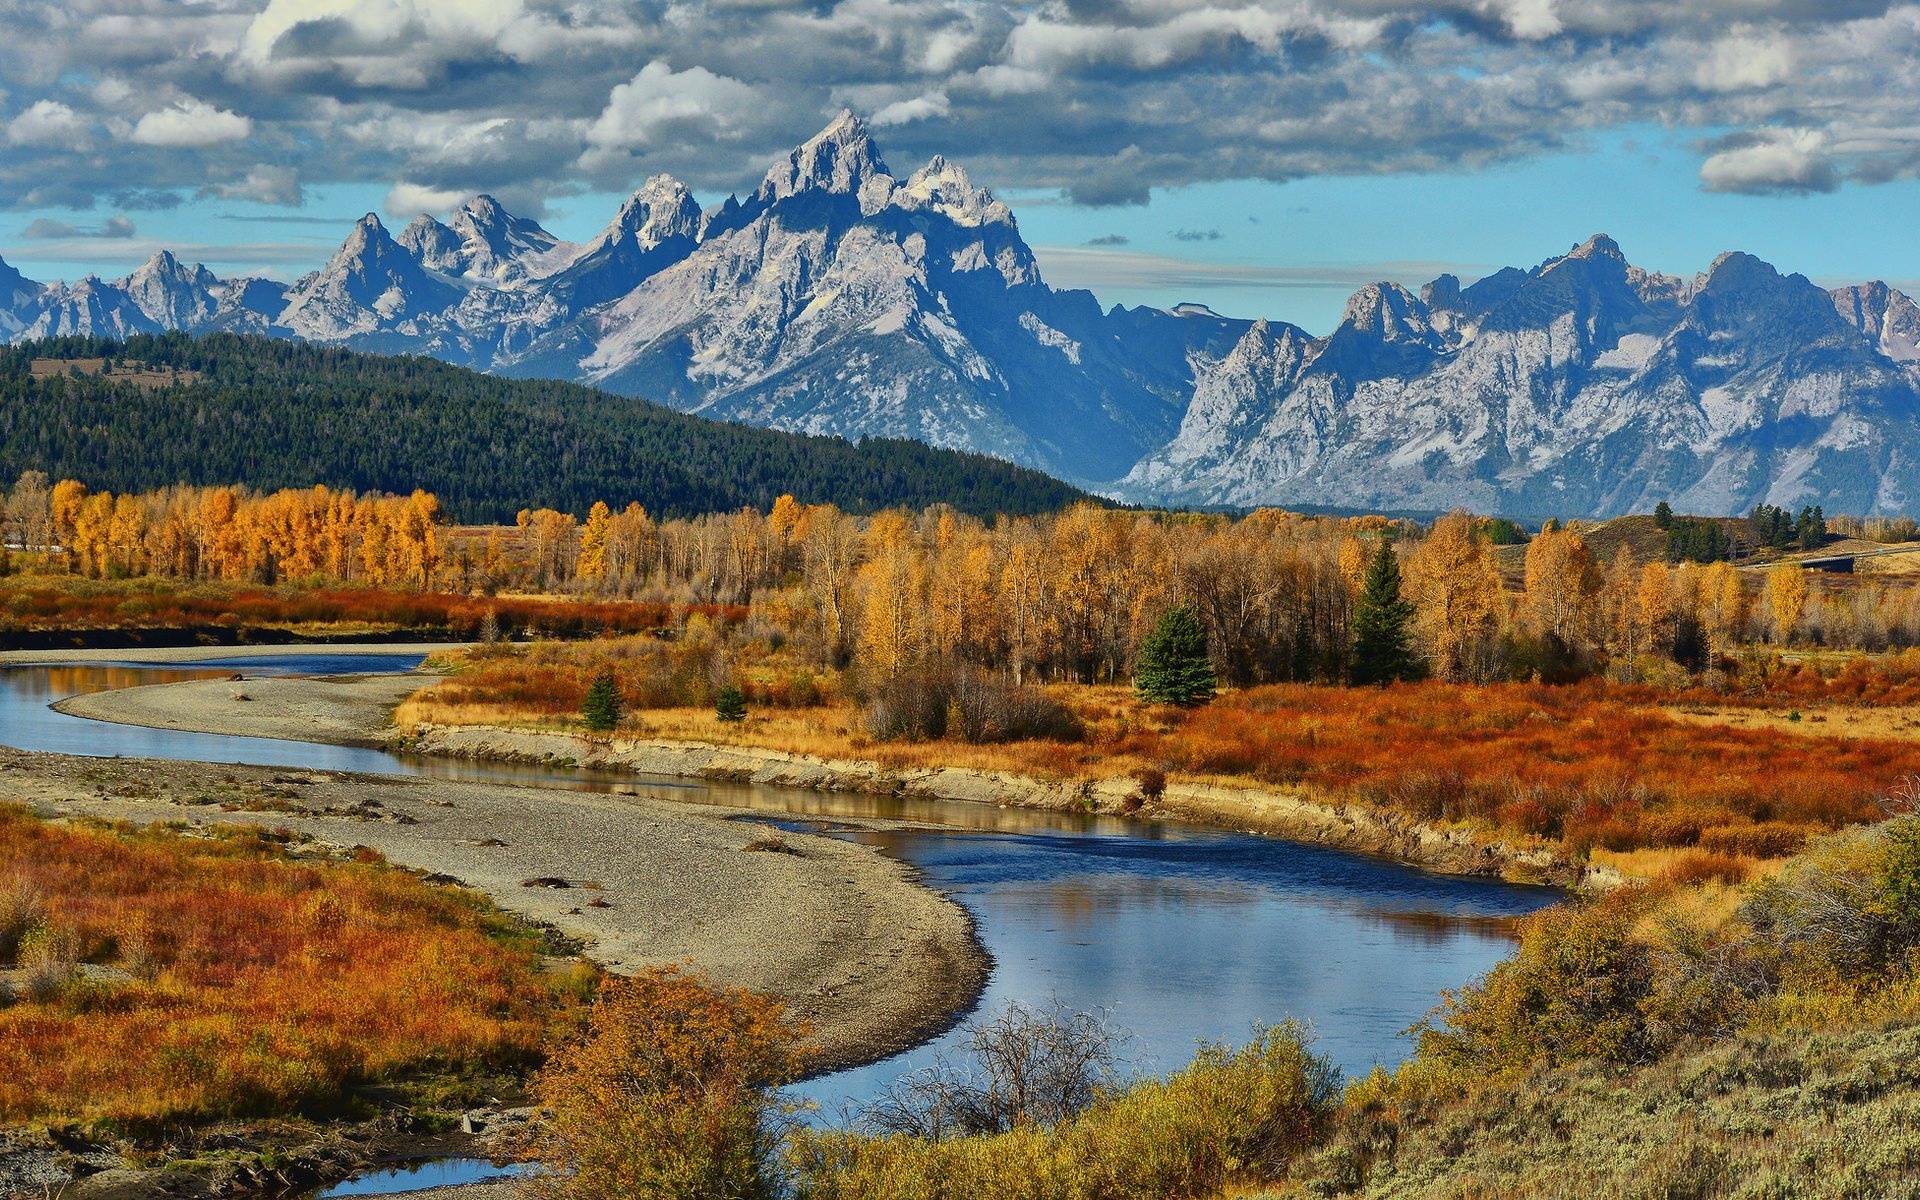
<point x="1265" y="157"/>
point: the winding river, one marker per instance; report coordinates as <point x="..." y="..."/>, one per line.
<point x="1180" y="934"/>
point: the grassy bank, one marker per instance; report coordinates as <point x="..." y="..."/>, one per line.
<point x="52" y="609"/>
<point x="1588" y="771"/>
<point x="1698" y="1042"/>
<point x="154" y="980"/>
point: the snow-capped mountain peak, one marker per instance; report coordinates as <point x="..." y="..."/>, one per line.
<point x="170" y="294"/>
<point x="1884" y="314"/>
<point x="370" y="284"/>
<point x="662" y="209"/>
<point x="943" y="187"/>
<point x="1598" y="246"/>
<point x="1388" y="312"/>
<point x="839" y="160"/>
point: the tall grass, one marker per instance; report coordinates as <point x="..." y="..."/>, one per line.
<point x="254" y="983"/>
<point x="1591" y="767"/>
<point x="71" y="603"/>
<point x="1233" y="1116"/>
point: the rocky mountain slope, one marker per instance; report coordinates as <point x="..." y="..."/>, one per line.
<point x="841" y="298"/>
<point x="1585" y="386"/>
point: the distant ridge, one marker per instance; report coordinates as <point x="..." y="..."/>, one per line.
<point x="273" y="414"/>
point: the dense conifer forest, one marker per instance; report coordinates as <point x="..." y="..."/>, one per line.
<point x="271" y="414"/>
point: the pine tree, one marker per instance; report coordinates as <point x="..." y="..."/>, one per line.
<point x="1172" y="664"/>
<point x="1382" y="650"/>
<point x="1663" y="515"/>
<point x="730" y="704"/>
<point x="601" y="711"/>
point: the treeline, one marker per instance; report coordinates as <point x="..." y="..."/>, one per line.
<point x="1066" y="596"/>
<point x="1767" y="527"/>
<point x="312" y="535"/>
<point x="283" y="414"/>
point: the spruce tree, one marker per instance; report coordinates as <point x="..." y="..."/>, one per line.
<point x="601" y="711"/>
<point x="1172" y="666"/>
<point x="1382" y="645"/>
<point x="730" y="704"/>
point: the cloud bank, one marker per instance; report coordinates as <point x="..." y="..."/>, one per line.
<point x="1101" y="99"/>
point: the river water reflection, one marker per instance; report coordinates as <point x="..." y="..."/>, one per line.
<point x="1181" y="934"/>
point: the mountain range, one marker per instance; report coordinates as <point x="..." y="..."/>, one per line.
<point x="840" y="298"/>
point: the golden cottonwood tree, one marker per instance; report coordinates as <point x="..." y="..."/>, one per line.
<point x="1454" y="586"/>
<point x="1562" y="587"/>
<point x="1786" y="598"/>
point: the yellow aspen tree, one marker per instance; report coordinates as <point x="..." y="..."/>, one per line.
<point x="91" y="525"/>
<point x="64" y="503"/>
<point x="829" y="555"/>
<point x="893" y="586"/>
<point x="1786" y="598"/>
<point x="1562" y="588"/>
<point x="1653" y="605"/>
<point x="747" y="537"/>
<point x="1723" y="607"/>
<point x="126" y="533"/>
<point x="1620" y="616"/>
<point x="783" y="523"/>
<point x="375" y="540"/>
<point x="1025" y="601"/>
<point x="1083" y="546"/>
<point x="338" y="538"/>
<point x="630" y="543"/>
<point x="1454" y="586"/>
<point x="1355" y="554"/>
<point x="593" y="542"/>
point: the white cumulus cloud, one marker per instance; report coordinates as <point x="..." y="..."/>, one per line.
<point x="191" y="124"/>
<point x="47" y="123"/>
<point x="1774" y="160"/>
<point x="920" y="108"/>
<point x="660" y="98"/>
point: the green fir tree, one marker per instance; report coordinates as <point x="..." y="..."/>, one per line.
<point x="1172" y="666"/>
<point x="601" y="711"/>
<point x="1382" y="643"/>
<point x="730" y="704"/>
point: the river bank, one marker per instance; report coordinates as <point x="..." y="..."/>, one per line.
<point x="865" y="955"/>
<point x="858" y="949"/>
<point x="354" y="711"/>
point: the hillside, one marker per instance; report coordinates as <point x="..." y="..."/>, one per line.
<point x="274" y="414"/>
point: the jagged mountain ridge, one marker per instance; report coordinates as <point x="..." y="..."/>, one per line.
<point x="836" y="298"/>
<point x="1585" y="387"/>
<point x="840" y="298"/>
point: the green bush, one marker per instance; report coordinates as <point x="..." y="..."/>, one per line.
<point x="1848" y="912"/>
<point x="1574" y="990"/>
<point x="1233" y="1116"/>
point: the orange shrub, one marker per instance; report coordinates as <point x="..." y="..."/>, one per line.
<point x="254" y="983"/>
<point x="1704" y="866"/>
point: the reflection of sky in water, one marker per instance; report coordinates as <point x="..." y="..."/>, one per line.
<point x="1199" y="935"/>
<point x="419" y="1176"/>
<point x="28" y="723"/>
<point x="1182" y="934"/>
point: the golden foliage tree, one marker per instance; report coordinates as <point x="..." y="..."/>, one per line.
<point x="1563" y="586"/>
<point x="593" y="542"/>
<point x="1454" y="586"/>
<point x="1786" y="597"/>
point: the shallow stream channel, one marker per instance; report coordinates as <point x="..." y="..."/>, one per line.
<point x="1177" y="934"/>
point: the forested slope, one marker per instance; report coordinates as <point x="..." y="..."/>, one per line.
<point x="274" y="414"/>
